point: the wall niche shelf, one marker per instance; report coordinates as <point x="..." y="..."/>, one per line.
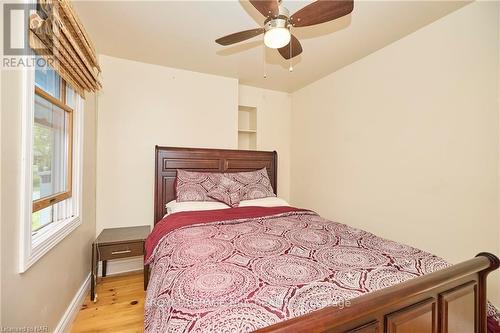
<point x="247" y="127"/>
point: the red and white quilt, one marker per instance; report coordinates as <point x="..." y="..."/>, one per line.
<point x="240" y="269"/>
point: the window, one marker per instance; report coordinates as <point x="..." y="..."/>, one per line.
<point x="52" y="162"/>
<point x="52" y="147"/>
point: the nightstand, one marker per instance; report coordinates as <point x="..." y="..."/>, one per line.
<point x="117" y="243"/>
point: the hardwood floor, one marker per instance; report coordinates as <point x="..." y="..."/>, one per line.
<point x="119" y="306"/>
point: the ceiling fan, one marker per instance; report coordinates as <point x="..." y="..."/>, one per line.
<point x="278" y="23"/>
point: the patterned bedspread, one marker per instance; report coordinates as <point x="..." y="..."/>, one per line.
<point x="241" y="269"/>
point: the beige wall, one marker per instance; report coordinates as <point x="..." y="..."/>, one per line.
<point x="1" y="263"/>
<point x="1" y="43"/>
<point x="405" y="142"/>
<point x="498" y="86"/>
<point x="144" y="105"/>
<point x="273" y="127"/>
<point x="41" y="295"/>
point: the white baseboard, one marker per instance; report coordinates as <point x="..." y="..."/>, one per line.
<point x="73" y="308"/>
<point x="114" y="267"/>
<point x="118" y="266"/>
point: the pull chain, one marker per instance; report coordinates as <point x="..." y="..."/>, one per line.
<point x="264" y="58"/>
<point x="290" y="69"/>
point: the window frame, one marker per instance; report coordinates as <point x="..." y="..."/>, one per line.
<point x="50" y="200"/>
<point x="33" y="246"/>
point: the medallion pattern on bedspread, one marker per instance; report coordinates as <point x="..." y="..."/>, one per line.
<point x="241" y="275"/>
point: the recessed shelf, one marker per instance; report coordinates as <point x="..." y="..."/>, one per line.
<point x="247" y="127"/>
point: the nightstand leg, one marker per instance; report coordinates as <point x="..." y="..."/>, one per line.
<point x="92" y="274"/>
<point x="146" y="276"/>
<point x="104" y="267"/>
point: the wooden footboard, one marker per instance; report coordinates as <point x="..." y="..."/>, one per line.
<point x="449" y="300"/>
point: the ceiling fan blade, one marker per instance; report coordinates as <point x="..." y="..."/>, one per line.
<point x="321" y="11"/>
<point x="296" y="49"/>
<point x="266" y="7"/>
<point x="239" y="36"/>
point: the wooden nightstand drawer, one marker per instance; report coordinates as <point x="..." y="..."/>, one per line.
<point x="117" y="243"/>
<point x="108" y="252"/>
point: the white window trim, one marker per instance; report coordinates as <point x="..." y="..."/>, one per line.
<point x="32" y="248"/>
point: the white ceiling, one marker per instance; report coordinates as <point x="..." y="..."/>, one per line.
<point x="181" y="34"/>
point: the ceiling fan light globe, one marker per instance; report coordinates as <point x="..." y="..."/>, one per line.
<point x="276" y="38"/>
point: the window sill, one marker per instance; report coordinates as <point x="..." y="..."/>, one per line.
<point x="44" y="242"/>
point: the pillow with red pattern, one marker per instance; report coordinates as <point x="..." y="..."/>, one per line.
<point x="194" y="186"/>
<point x="255" y="184"/>
<point x="227" y="191"/>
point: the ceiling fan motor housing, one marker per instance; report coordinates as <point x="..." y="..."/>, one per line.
<point x="278" y="21"/>
<point x="283" y="11"/>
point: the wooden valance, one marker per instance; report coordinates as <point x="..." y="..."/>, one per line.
<point x="57" y="34"/>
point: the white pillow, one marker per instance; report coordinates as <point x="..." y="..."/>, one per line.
<point x="264" y="202"/>
<point x="188" y="206"/>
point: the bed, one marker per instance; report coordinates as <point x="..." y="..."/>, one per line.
<point x="285" y="269"/>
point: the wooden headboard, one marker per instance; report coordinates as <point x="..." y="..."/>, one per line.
<point x="169" y="159"/>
